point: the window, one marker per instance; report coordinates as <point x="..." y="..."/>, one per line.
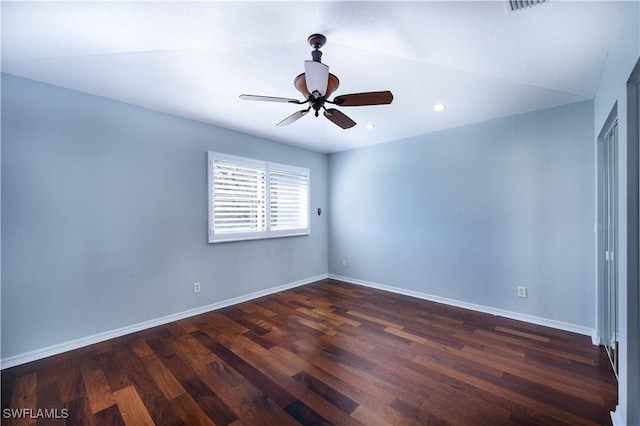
<point x="251" y="199"/>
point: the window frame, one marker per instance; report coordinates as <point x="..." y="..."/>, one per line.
<point x="214" y="237"/>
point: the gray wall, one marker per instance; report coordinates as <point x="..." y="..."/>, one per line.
<point x="104" y="220"/>
<point x="104" y="215"/>
<point x="471" y="213"/>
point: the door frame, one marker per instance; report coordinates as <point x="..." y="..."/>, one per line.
<point x="603" y="264"/>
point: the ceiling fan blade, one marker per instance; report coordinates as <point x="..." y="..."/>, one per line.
<point x="367" y="98"/>
<point x="316" y="75"/>
<point x="339" y="118"/>
<point x="269" y="99"/>
<point x="293" y="117"/>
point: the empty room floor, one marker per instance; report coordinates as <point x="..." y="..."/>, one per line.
<point x="325" y="353"/>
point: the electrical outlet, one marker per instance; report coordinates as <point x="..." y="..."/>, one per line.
<point x="344" y="263"/>
<point x="196" y="287"/>
<point x="522" y="292"/>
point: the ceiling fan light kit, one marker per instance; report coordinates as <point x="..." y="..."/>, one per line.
<point x="316" y="84"/>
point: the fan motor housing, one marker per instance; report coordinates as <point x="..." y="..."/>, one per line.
<point x="301" y="85"/>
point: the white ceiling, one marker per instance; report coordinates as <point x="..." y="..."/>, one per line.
<point x="193" y="59"/>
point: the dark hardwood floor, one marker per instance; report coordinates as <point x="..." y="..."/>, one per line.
<point x="324" y="353"/>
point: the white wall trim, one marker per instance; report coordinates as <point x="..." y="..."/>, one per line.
<point x="474" y="307"/>
<point x="111" y="334"/>
<point x="616" y="420"/>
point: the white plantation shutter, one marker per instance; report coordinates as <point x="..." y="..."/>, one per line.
<point x="237" y="198"/>
<point x="288" y="198"/>
<point x="251" y="199"/>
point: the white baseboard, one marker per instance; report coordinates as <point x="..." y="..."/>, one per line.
<point x="615" y="418"/>
<point x="101" y="337"/>
<point x="474" y="307"/>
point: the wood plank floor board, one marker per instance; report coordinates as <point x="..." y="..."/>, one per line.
<point x="69" y="379"/>
<point x="566" y="402"/>
<point x="380" y="355"/>
<point x="368" y="417"/>
<point x="262" y="356"/>
<point x="135" y="370"/>
<point x="362" y="317"/>
<point x="251" y="321"/>
<point x="268" y="386"/>
<point x="325" y="353"/>
<point x="162" y="410"/>
<point x="272" y="369"/>
<point x="360" y="385"/>
<point x="562" y="383"/>
<point x="109" y="416"/>
<point x="166" y="382"/>
<point x="417" y="413"/>
<point x="160" y="346"/>
<point x="117" y="376"/>
<point x="79" y="413"/>
<point x="359" y="344"/>
<point x="485" y="385"/>
<point x="258" y="409"/>
<point x="468" y="408"/>
<point x="343" y="382"/>
<point x="473" y="400"/>
<point x="258" y="339"/>
<point x="98" y="390"/>
<point x="24" y="396"/>
<point x="541" y="348"/>
<point x="325" y="391"/>
<point x="333" y="414"/>
<point x="210" y="403"/>
<point x="48" y="398"/>
<point x="190" y="412"/>
<point x="374" y="334"/>
<point x="305" y="415"/>
<point x="131" y="408"/>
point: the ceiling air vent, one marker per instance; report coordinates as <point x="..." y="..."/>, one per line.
<point x="515" y="5"/>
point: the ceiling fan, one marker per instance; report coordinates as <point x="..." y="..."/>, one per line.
<point x="316" y="84"/>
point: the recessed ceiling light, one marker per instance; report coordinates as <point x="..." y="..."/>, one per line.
<point x="439" y="107"/>
<point x="369" y="126"/>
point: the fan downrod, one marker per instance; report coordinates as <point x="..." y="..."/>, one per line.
<point x="316" y="41"/>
